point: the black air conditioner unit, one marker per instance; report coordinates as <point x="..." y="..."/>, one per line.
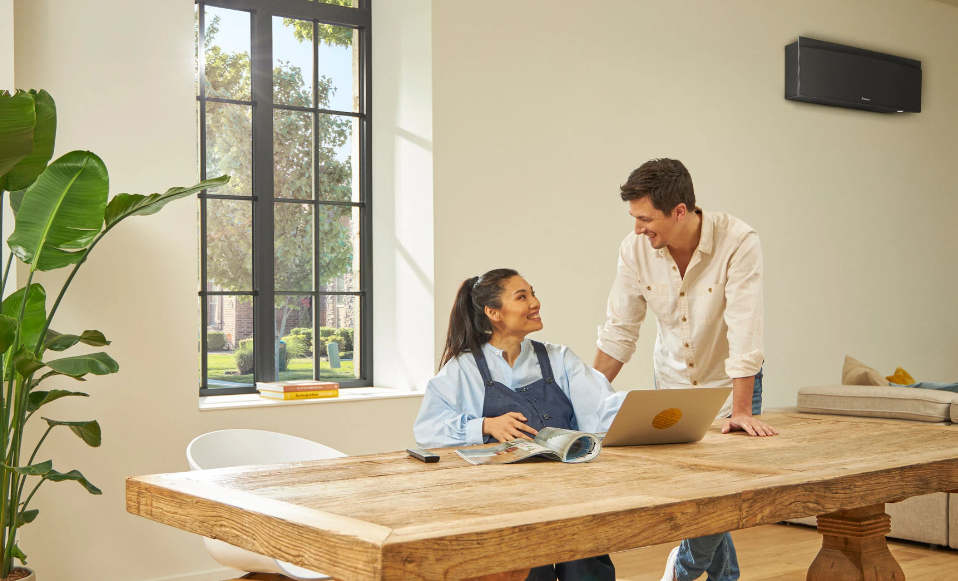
<point x="842" y="76"/>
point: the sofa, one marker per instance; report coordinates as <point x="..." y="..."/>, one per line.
<point x="931" y="519"/>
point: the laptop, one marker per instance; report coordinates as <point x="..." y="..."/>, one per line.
<point x="665" y="416"/>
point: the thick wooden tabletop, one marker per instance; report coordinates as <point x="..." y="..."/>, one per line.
<point x="390" y="516"/>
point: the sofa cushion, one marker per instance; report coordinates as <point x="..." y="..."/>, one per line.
<point x="854" y="372"/>
<point x="904" y="403"/>
<point x="954" y="411"/>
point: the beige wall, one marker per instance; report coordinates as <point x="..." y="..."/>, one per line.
<point x="541" y="109"/>
<point x="122" y="75"/>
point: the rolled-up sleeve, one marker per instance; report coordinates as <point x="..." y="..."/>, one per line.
<point x="626" y="308"/>
<point x="587" y="389"/>
<point x="743" y="312"/>
<point x="445" y="418"/>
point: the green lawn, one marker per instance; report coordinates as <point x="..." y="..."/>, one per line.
<point x="218" y="364"/>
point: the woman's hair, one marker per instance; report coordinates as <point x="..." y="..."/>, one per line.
<point x="468" y="324"/>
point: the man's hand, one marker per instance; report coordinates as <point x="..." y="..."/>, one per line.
<point x="506" y="427"/>
<point x="749" y="424"/>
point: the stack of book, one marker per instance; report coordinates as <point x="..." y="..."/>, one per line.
<point x="305" y="389"/>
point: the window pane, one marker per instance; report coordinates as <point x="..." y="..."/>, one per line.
<point x="229" y="147"/>
<point x="293" y="246"/>
<point x="229" y="244"/>
<point x="337" y="152"/>
<point x="294" y="336"/>
<point x="339" y="248"/>
<point x="338" y="64"/>
<point x="338" y="321"/>
<point x="292" y="62"/>
<point x="293" y="154"/>
<point x="229" y="336"/>
<point x="227" y="42"/>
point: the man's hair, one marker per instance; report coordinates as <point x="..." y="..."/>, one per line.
<point x="665" y="181"/>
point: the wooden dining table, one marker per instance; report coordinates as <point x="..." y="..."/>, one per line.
<point x="392" y="517"/>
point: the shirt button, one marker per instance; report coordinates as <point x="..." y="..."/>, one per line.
<point x="682" y="294"/>
<point x="691" y="364"/>
<point x="683" y="319"/>
<point x="673" y="268"/>
<point x="695" y="382"/>
<point x="686" y="345"/>
<point x="648" y="288"/>
<point x="547" y="417"/>
<point x="710" y="289"/>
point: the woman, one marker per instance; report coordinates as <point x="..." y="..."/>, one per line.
<point x="494" y="384"/>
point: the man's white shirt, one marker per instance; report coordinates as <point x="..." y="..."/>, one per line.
<point x="709" y="322"/>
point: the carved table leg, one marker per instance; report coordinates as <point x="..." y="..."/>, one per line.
<point x="517" y="575"/>
<point x="854" y="547"/>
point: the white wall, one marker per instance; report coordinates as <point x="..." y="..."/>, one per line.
<point x="122" y="74"/>
<point x="541" y="110"/>
<point x="402" y="186"/>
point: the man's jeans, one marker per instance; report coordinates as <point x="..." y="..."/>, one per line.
<point x="714" y="554"/>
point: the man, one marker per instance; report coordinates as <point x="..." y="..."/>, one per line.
<point x="701" y="275"/>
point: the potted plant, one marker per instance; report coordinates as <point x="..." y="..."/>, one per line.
<point x="62" y="211"/>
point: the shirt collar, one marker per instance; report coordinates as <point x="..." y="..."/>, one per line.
<point x="523" y="348"/>
<point x="705" y="241"/>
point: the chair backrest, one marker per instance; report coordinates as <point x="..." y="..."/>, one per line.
<point x="227" y="448"/>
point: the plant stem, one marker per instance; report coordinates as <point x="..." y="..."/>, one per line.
<point x="6" y="277"/>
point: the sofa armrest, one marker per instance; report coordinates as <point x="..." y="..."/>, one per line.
<point x="905" y="403"/>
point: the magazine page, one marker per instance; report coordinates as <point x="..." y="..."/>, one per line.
<point x="569" y="445"/>
<point x="505" y="453"/>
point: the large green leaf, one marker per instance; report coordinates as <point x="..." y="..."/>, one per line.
<point x="44" y="134"/>
<point x="96" y="363"/>
<point x="54" y="476"/>
<point x="25" y="362"/>
<point x="62" y="212"/>
<point x="16" y="198"/>
<point x="27" y="517"/>
<point x="17" y="119"/>
<point x="8" y="332"/>
<point x="126" y="205"/>
<point x="89" y="432"/>
<point x="59" y="342"/>
<point x="33" y="469"/>
<point x="35" y="316"/>
<point x="38" y="399"/>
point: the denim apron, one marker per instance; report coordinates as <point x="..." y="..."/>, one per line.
<point x="543" y="403"/>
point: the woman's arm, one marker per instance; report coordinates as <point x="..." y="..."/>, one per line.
<point x="586" y="388"/>
<point x="450" y="414"/>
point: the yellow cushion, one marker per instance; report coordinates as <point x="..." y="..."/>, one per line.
<point x="901" y="377"/>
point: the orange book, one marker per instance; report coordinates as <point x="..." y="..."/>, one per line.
<point x="294" y="386"/>
<point x="300" y="394"/>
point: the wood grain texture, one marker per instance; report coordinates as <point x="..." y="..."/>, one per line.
<point x="391" y="517"/>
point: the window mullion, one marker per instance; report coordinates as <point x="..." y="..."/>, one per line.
<point x="264" y="309"/>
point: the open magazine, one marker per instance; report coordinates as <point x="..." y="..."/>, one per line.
<point x="555" y="443"/>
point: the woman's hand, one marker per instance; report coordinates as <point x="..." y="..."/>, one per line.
<point x="506" y="427"/>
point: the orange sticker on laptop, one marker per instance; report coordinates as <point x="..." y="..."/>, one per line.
<point x="666" y="418"/>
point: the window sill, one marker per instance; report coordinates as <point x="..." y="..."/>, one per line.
<point x="252" y="400"/>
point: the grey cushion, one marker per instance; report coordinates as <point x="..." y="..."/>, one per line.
<point x="904" y="403"/>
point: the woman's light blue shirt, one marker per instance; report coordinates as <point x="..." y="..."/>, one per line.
<point x="451" y="412"/>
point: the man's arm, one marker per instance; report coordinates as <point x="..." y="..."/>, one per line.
<point x="606" y="364"/>
<point x="744" y="317"/>
<point x="742" y="418"/>
<point x="625" y="312"/>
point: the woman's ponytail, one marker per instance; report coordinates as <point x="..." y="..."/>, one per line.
<point x="469" y="327"/>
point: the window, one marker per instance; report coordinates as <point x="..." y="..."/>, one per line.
<point x="282" y="93"/>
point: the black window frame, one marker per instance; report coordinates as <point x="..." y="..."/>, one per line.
<point x="263" y="284"/>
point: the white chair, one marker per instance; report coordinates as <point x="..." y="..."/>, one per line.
<point x="228" y="448"/>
